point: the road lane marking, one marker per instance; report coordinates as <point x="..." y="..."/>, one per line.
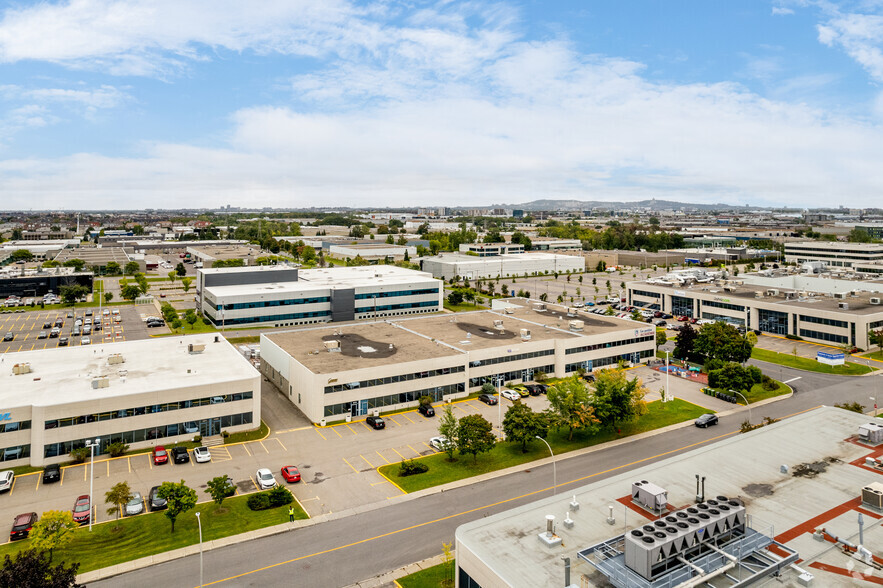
<point x="792" y="380"/>
<point x="351" y="465"/>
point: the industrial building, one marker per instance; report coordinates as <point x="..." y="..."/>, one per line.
<point x="794" y="503"/>
<point x="286" y="296"/>
<point x="373" y="251"/>
<point x="334" y="372"/>
<point x="833" y="253"/>
<point x="35" y="282"/>
<point x="491" y="249"/>
<point x="448" y="265"/>
<point x="822" y="310"/>
<point x="547" y="244"/>
<point x="142" y="393"/>
<point x="206" y="255"/>
<point x="99" y="257"/>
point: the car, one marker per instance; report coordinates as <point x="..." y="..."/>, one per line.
<point x="590" y="304"/>
<point x="115" y="312"/>
<point x="54" y="333"/>
<point x="47" y="325"/>
<point x="588" y="377"/>
<point x="706" y="420"/>
<point x="202" y="455"/>
<point x="59" y="323"/>
<point x="191" y="427"/>
<point x="82" y="509"/>
<point x="21" y="525"/>
<point x="135" y="505"/>
<point x="534" y="389"/>
<point x="62" y="342"/>
<point x="439" y="443"/>
<point x="291" y="474"/>
<point x="51" y="473"/>
<point x="683" y="318"/>
<point x="510" y="394"/>
<point x="522" y="390"/>
<point x="264" y="479"/>
<point x="660" y="323"/>
<point x="160" y="456"/>
<point x="105" y="312"/>
<point x="6" y="479"/>
<point x="180" y="455"/>
<point x="88" y="321"/>
<point x="426" y="410"/>
<point x="375" y="422"/>
<point x="85" y="341"/>
<point x="78" y="323"/>
<point x="88" y="312"/>
<point x="488" y="398"/>
<point x="76" y="332"/>
<point x="118" y="319"/>
<point x="154" y="502"/>
<point x="87" y="330"/>
<point x="70" y="314"/>
<point x="9" y="336"/>
<point x="96" y="327"/>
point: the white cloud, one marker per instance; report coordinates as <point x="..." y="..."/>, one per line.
<point x="104" y="96"/>
<point x="781" y="11"/>
<point x="859" y="35"/>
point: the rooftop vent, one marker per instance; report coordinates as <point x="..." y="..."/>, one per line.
<point x="525" y="334"/>
<point x="875" y="300"/>
<point x="116" y="358"/>
<point x="772" y="292"/>
<point x="872" y="495"/>
<point x="509" y="310"/>
<point x="100" y="383"/>
<point x="21" y="368"/>
<point x="332" y="346"/>
<point x="576" y="325"/>
<point x="840" y="295"/>
<point x="498" y="324"/>
<point x="843" y="305"/>
<point x="196" y="348"/>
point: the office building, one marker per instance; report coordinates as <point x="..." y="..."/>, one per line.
<point x="491" y="249"/>
<point x="448" y="265"/>
<point x="834" y="253"/>
<point x="34" y="282"/>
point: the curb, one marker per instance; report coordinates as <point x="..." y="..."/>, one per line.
<point x="390" y="577"/>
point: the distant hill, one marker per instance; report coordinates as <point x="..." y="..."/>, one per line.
<point x="609" y="205"/>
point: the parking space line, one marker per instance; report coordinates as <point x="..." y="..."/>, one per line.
<point x="351" y="429"/>
<point x="460" y="408"/>
<point x="404" y="414"/>
<point x="61" y="481"/>
<point x="370" y="465"/>
<point x="336" y="431"/>
<point x="364" y="424"/>
<point x="84" y="472"/>
<point x="108" y="468"/>
<point x="39" y="477"/>
<point x="129" y="460"/>
<point x="247" y="451"/>
<point x="395" y="421"/>
<point x="276" y="439"/>
<point x="381" y="457"/>
<point x="320" y="434"/>
<point x="400" y="455"/>
<point x="11" y="488"/>
<point x="351" y="465"/>
<point x="379" y="483"/>
<point x="264" y="446"/>
<point x="414" y="450"/>
<point x="431" y="447"/>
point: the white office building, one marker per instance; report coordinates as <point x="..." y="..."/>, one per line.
<point x="834" y="253"/>
<point x="448" y="265"/>
<point x="286" y="296"/>
<point x="143" y="393"/>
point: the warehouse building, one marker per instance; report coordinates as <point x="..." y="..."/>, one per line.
<point x="36" y="282"/>
<point x="822" y="310"/>
<point x="778" y="506"/>
<point x="99" y="257"/>
<point x="373" y="251"/>
<point x="333" y="372"/>
<point x="142" y="393"/>
<point x="836" y="253"/>
<point x="491" y="249"/>
<point x="448" y="265"/>
<point x="286" y="296"/>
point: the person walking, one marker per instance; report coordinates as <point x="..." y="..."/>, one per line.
<point x="291" y="514"/>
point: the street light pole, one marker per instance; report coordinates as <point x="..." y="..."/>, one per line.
<point x="199" y="522"/>
<point x="666" y="375"/>
<point x="554" y="469"/>
<point x="746" y="404"/>
<point x="92" y="445"/>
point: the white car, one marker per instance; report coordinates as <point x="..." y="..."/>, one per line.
<point x="202" y="455"/>
<point x="116" y="312"/>
<point x="136" y="505"/>
<point x="105" y="312"/>
<point x="6" y="479"/>
<point x="440" y="443"/>
<point x="510" y="394"/>
<point x="265" y="479"/>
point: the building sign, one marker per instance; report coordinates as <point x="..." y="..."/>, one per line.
<point x="831" y="358"/>
<point x="719" y="299"/>
<point x="680" y="293"/>
<point x="6" y="416"/>
<point x="645" y="332"/>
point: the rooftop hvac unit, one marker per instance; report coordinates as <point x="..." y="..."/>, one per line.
<point x="843" y="305"/>
<point x="100" y="383"/>
<point x="525" y="334"/>
<point x="21" y="368"/>
<point x="871" y="433"/>
<point x="539" y="306"/>
<point x="115" y="358"/>
<point x="872" y="495"/>
<point x="498" y="324"/>
<point x="649" y="495"/>
<point x="571" y="311"/>
<point x="576" y="325"/>
<point x="195" y="348"/>
<point x="875" y="300"/>
<point x="509" y="310"/>
<point x="790" y="295"/>
<point x="772" y="292"/>
<point x="332" y="345"/>
<point x="840" y="295"/>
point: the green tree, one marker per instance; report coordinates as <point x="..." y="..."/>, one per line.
<point x="616" y="398"/>
<point x="77" y="264"/>
<point x="858" y="236"/>
<point x="180" y="269"/>
<point x="117" y="496"/>
<point x="475" y="435"/>
<point x="568" y="401"/>
<point x="685" y="341"/>
<point x="219" y="488"/>
<point x="172" y="276"/>
<point x="113" y="268"/>
<point x="190" y="317"/>
<point x="32" y="569"/>
<point x="455" y="298"/>
<point x="70" y="294"/>
<point x="143" y="284"/>
<point x="186" y="282"/>
<point x="722" y="341"/>
<point x="21" y="255"/>
<point x="179" y="498"/>
<point x="130" y="292"/>
<point x="108" y="296"/>
<point x="636" y="315"/>
<point x="131" y="268"/>
<point x="54" y="529"/>
<point x="661" y="337"/>
<point x="447" y="427"/>
<point x="522" y="425"/>
<point x="876" y="338"/>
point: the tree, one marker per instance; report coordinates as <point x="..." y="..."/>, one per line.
<point x="447" y="427"/>
<point x="77" y="264"/>
<point x="685" y="341"/>
<point x="113" y="268"/>
<point x="54" y="529"/>
<point x="143" y="284"/>
<point x="70" y="294"/>
<point x="108" y="296"/>
<point x="179" y="498"/>
<point x="475" y="434"/>
<point x="117" y="496"/>
<point x="858" y="236"/>
<point x="568" y="401"/>
<point x="731" y="376"/>
<point x="172" y="275"/>
<point x="131" y="268"/>
<point x="722" y="341"/>
<point x="130" y="292"/>
<point x="876" y="338"/>
<point x="21" y="255"/>
<point x="455" y="298"/>
<point x="180" y="269"/>
<point x="219" y="488"/>
<point x="32" y="569"/>
<point x="636" y="315"/>
<point x="522" y="425"/>
<point x="186" y="282"/>
<point x="190" y="317"/>
<point x="661" y="337"/>
<point x="616" y="398"/>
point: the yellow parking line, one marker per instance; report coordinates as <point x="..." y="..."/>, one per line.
<point x="38" y="483"/>
<point x="129" y="459"/>
<point x="351" y="465"/>
<point x="248" y="452"/>
<point x="351" y="429"/>
<point x="276" y="439"/>
<point x="108" y="468"/>
<point x="321" y="435"/>
<point x="264" y="446"/>
<point x="336" y="431"/>
<point x="370" y="465"/>
<point x="404" y="414"/>
<point x="379" y="483"/>
<point x="11" y="488"/>
<point x="400" y="455"/>
<point x="431" y="447"/>
<point x="61" y="481"/>
<point x="395" y="421"/>
<point x="84" y="472"/>
<point x="364" y="424"/>
<point x="414" y="450"/>
<point x="381" y="457"/>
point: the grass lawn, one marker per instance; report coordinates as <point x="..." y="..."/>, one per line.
<point x="464" y="307"/>
<point x="254" y="435"/>
<point x="810" y="365"/>
<point x="148" y="534"/>
<point x="429" y="577"/>
<point x="187" y="329"/>
<point x="250" y="339"/>
<point x="878" y="355"/>
<point x="757" y="393"/>
<point x="505" y="455"/>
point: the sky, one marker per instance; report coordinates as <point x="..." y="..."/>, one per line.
<point x="122" y="104"/>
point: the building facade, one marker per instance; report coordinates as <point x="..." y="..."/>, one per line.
<point x="448" y="265"/>
<point x="836" y="253"/>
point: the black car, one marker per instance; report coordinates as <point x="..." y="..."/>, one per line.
<point x="375" y="422"/>
<point x="180" y="455"/>
<point x="426" y="410"/>
<point x="89" y="312"/>
<point x="154" y="502"/>
<point x="62" y="342"/>
<point x="706" y="420"/>
<point x="52" y="473"/>
<point x="588" y="377"/>
<point x="8" y="336"/>
<point x="21" y="525"/>
<point x="534" y="389"/>
<point x="488" y="399"/>
<point x="47" y="325"/>
<point x="59" y="323"/>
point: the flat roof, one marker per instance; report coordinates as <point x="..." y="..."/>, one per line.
<point x="64" y="375"/>
<point x="820" y="478"/>
<point x="455" y="257"/>
<point x="870" y="247"/>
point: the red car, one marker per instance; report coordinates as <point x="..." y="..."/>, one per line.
<point x="21" y="525"/>
<point x="291" y="474"/>
<point x="82" y="509"/>
<point x="160" y="455"/>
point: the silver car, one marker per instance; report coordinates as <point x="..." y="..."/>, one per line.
<point x="265" y="479"/>
<point x="136" y="505"/>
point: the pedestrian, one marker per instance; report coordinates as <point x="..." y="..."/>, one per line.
<point x="291" y="514"/>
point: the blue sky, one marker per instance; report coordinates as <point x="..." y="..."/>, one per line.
<point x="132" y="104"/>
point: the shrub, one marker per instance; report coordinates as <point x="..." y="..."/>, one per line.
<point x="197" y="439"/>
<point x="770" y="385"/>
<point x="80" y="454"/>
<point x="206" y="322"/>
<point x="259" y="501"/>
<point x="279" y="496"/>
<point x="794" y="337"/>
<point x="409" y="467"/>
<point x="713" y="364"/>
<point x="755" y="374"/>
<point x="117" y="448"/>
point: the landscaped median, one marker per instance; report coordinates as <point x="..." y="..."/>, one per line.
<point x="504" y="455"/>
<point x="757" y="393"/>
<point x="119" y="541"/>
<point x="802" y="363"/>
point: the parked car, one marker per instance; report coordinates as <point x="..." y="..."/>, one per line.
<point x="85" y="341"/>
<point x="59" y="323"/>
<point x="42" y="335"/>
<point x="62" y="342"/>
<point x="47" y="325"/>
<point x="82" y="509"/>
<point x="9" y="336"/>
<point x="6" y="479"/>
<point x="534" y="389"/>
<point x="135" y="505"/>
<point x="440" y="443"/>
<point x="522" y="391"/>
<point x="375" y="422"/>
<point x="88" y="312"/>
<point x="160" y="456"/>
<point x="488" y="398"/>
<point x="51" y="473"/>
<point x="202" y="455"/>
<point x="265" y="479"/>
<point x="21" y="525"/>
<point x="510" y="394"/>
<point x="706" y="420"/>
<point x="291" y="474"/>
<point x="180" y="455"/>
<point x="426" y="410"/>
<point x="154" y="502"/>
<point x="54" y="333"/>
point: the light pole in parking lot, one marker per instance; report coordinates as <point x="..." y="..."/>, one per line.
<point x="554" y="470"/>
<point x="92" y="445"/>
<point x="746" y="404"/>
<point x="199" y="522"/>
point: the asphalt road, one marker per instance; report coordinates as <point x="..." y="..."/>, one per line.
<point x="343" y="551"/>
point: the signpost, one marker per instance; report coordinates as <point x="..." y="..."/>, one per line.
<point x="831" y="358"/>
